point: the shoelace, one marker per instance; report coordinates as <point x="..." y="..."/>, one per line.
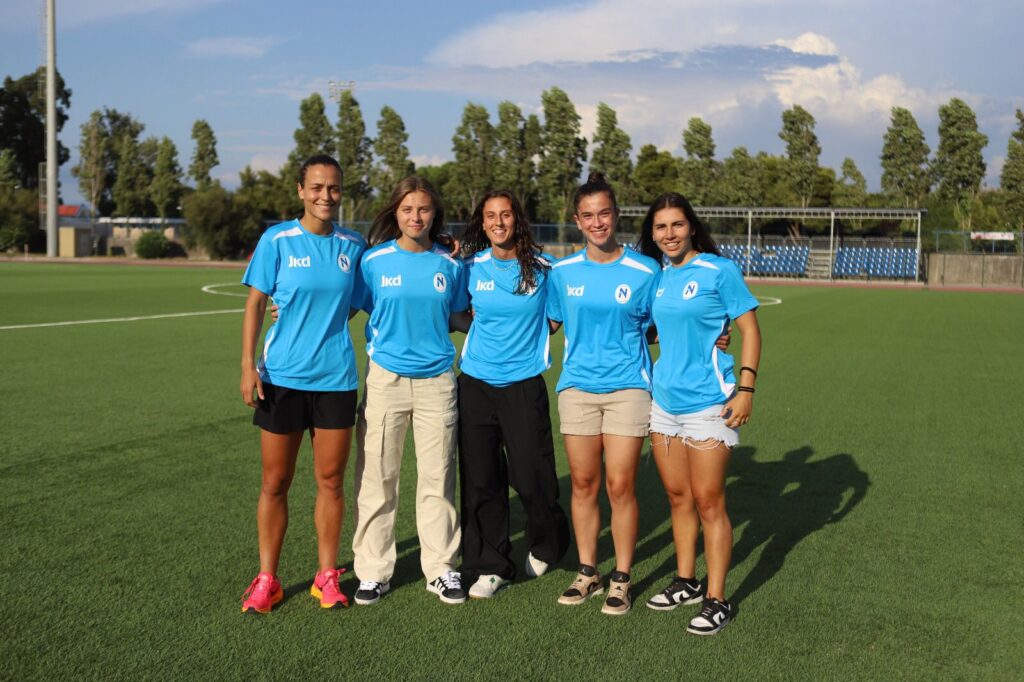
<point x="261" y="583"/>
<point x="580" y="583"/>
<point x="369" y="585"/>
<point x="451" y="580"/>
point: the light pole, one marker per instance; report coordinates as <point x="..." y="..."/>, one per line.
<point x="51" y="129"/>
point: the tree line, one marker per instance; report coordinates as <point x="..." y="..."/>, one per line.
<point x="539" y="158"/>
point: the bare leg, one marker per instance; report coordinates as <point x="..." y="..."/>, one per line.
<point x="330" y="456"/>
<point x="584" y="455"/>
<point x="708" y="462"/>
<point x="279" y="452"/>
<point x="672" y="458"/>
<point x="622" y="454"/>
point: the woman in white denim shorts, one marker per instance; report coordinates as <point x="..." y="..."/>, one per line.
<point x="698" y="401"/>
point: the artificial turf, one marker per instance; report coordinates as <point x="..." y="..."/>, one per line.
<point x="876" y="500"/>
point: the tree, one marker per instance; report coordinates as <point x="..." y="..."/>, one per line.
<point x="564" y="152"/>
<point x="204" y="154"/>
<point x="611" y="155"/>
<point x="165" y="191"/>
<point x="225" y="225"/>
<point x="314" y="134"/>
<point x="802" y="151"/>
<point x="131" y="189"/>
<point x="905" y="173"/>
<point x="517" y="143"/>
<point x="354" y="154"/>
<point x="1011" y="180"/>
<point x="851" y="189"/>
<point x="959" y="166"/>
<point x="23" y="123"/>
<point x="18" y="206"/>
<point x="93" y="152"/>
<point x="265" y="193"/>
<point x="656" y="173"/>
<point x="394" y="164"/>
<point x="739" y="186"/>
<point x="700" y="172"/>
<point x="99" y="155"/>
<point x="475" y="149"/>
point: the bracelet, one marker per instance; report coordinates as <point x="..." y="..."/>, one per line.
<point x="749" y="369"/>
<point x="745" y="389"/>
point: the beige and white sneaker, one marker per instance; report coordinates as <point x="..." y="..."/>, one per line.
<point x="618" y="602"/>
<point x="585" y="586"/>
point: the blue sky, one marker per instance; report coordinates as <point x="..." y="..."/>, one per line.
<point x="244" y="65"/>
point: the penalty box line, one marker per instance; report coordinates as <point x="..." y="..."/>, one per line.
<point x="108" y="320"/>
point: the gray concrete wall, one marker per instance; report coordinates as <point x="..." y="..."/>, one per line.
<point x="975" y="269"/>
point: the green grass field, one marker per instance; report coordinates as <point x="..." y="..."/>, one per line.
<point x="877" y="504"/>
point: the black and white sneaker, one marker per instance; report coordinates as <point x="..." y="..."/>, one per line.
<point x="448" y="586"/>
<point x="370" y="592"/>
<point x="713" y="616"/>
<point x="680" y="591"/>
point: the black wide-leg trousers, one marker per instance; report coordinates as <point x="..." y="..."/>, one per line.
<point x="505" y="439"/>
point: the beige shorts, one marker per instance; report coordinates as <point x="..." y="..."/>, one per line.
<point x="626" y="412"/>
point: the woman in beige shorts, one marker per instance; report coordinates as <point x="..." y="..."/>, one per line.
<point x="602" y="295"/>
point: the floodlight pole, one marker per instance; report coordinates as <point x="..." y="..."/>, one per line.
<point x="917" y="270"/>
<point x="51" y="129"/>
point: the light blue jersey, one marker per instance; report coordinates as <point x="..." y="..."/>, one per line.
<point x="692" y="308"/>
<point x="314" y="279"/>
<point x="508" y="340"/>
<point x="412" y="297"/>
<point x="605" y="309"/>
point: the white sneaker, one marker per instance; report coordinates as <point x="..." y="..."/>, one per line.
<point x="486" y="586"/>
<point x="534" y="566"/>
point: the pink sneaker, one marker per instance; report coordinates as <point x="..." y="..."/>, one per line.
<point x="326" y="589"/>
<point x="264" y="591"/>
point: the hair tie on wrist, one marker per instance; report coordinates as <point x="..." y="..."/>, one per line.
<point x="745" y="389"/>
<point x="749" y="369"/>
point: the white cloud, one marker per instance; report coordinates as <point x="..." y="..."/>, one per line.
<point x="428" y="160"/>
<point x="809" y="43"/>
<point x="839" y="92"/>
<point x="268" y="161"/>
<point x="242" y="47"/>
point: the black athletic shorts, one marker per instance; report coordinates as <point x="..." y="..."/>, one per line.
<point x="286" y="410"/>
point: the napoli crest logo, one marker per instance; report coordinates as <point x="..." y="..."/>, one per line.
<point x="344" y="263"/>
<point x="623" y="293"/>
<point x="690" y="290"/>
<point x="440" y="283"/>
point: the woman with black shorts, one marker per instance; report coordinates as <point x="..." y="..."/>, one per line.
<point x="305" y="378"/>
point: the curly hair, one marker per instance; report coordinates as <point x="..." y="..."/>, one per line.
<point x="475" y="239"/>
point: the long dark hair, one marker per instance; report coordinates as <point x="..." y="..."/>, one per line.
<point x="475" y="239"/>
<point x="701" y="238"/>
<point x="594" y="185"/>
<point x="385" y="225"/>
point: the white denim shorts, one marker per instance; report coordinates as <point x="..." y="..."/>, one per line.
<point x="696" y="426"/>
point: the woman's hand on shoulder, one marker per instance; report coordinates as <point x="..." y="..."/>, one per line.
<point x="737" y="410"/>
<point x="251" y="386"/>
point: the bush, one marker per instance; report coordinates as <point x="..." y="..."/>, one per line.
<point x="226" y="225"/>
<point x="152" y="244"/>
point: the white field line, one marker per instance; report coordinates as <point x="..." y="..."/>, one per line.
<point x="212" y="289"/>
<point x="119" y="319"/>
<point x="209" y="289"/>
<point x="768" y="300"/>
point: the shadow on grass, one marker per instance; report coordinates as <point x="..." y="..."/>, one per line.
<point x="773" y="506"/>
